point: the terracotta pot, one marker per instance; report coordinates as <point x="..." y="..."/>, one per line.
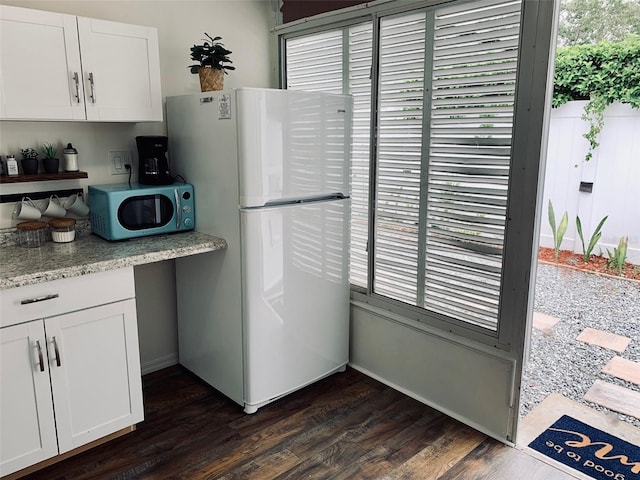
<point x="50" y="165"/>
<point x="211" y="79"/>
<point x="29" y="166"/>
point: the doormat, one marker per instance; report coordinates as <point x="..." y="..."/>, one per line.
<point x="589" y="450"/>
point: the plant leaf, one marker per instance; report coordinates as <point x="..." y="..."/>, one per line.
<point x="600" y="224"/>
<point x="592" y="244"/>
<point x="585" y="256"/>
<point x="624" y="244"/>
<point x="562" y="228"/>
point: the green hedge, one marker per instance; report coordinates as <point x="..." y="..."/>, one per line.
<point x="610" y="71"/>
<point x="603" y="73"/>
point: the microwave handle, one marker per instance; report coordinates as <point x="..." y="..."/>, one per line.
<point x="178" y="208"/>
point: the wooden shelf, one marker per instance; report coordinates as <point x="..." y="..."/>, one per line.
<point x="42" y="177"/>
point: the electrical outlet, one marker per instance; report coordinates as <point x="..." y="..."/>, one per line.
<point x="117" y="162"/>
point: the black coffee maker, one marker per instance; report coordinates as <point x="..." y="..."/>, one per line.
<point x="153" y="167"/>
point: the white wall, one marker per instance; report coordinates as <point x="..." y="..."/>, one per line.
<point x="614" y="171"/>
<point x="245" y="30"/>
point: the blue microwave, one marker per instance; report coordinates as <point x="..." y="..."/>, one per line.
<point x="122" y="211"/>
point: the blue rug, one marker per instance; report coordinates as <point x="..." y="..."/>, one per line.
<point x="589" y="450"/>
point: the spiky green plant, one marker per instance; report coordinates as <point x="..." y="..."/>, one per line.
<point x="49" y="150"/>
<point x="558" y="233"/>
<point x="618" y="257"/>
<point x="586" y="252"/>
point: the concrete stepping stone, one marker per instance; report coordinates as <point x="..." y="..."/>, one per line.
<point x="543" y="321"/>
<point x="614" y="397"/>
<point x="622" y="368"/>
<point x="603" y="339"/>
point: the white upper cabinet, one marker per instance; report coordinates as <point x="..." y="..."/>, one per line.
<point x="121" y="71"/>
<point x="62" y="67"/>
<point x="40" y="70"/>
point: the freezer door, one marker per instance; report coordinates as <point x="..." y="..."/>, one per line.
<point x="295" y="296"/>
<point x="292" y="144"/>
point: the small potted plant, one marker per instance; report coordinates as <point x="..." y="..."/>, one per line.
<point x="29" y="161"/>
<point x="211" y="57"/>
<point x="50" y="162"/>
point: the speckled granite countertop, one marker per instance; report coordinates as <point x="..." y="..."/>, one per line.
<point x="20" y="266"/>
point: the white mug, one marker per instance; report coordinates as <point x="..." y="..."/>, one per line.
<point x="53" y="208"/>
<point x="75" y="204"/>
<point x="26" y="210"/>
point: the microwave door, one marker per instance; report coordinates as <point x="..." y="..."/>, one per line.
<point x="147" y="211"/>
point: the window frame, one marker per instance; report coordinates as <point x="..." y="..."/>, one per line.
<point x="527" y="159"/>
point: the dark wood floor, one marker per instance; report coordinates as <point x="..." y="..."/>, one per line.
<point x="347" y="426"/>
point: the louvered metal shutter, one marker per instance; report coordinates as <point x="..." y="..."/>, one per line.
<point x="314" y="62"/>
<point x="401" y="85"/>
<point x="474" y="73"/>
<point x="441" y="178"/>
<point x="339" y="61"/>
<point x="359" y="85"/>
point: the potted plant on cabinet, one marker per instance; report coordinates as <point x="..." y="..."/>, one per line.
<point x="29" y="161"/>
<point x="50" y="162"/>
<point x="211" y="57"/>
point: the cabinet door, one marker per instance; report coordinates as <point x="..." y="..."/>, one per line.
<point x="121" y="68"/>
<point x="39" y="65"/>
<point x="27" y="429"/>
<point x="95" y="372"/>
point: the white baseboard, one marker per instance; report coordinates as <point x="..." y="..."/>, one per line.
<point x="159" y="363"/>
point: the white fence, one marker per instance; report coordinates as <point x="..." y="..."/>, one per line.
<point x="614" y="172"/>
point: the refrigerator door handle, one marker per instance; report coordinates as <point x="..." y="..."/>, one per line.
<point x="319" y="198"/>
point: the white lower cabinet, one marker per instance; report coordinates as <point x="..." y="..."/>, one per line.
<point x="68" y="379"/>
<point x="27" y="428"/>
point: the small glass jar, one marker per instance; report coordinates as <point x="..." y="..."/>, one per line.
<point x="31" y="234"/>
<point x="12" y="165"/>
<point x="63" y="230"/>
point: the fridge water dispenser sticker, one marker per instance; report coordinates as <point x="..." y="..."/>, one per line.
<point x="224" y="106"/>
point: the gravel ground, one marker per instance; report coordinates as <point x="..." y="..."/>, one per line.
<point x="561" y="364"/>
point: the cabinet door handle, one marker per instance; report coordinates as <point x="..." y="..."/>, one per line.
<point x="91" y="84"/>
<point x="76" y="80"/>
<point x="40" y="357"/>
<point x="57" y="352"/>
<point x="39" y="299"/>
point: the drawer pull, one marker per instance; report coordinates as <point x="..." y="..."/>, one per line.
<point x="39" y="299"/>
<point x="40" y="357"/>
<point x="57" y="352"/>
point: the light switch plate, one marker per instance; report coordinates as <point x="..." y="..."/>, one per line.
<point x="117" y="161"/>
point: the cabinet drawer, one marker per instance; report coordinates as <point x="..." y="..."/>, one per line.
<point x="46" y="299"/>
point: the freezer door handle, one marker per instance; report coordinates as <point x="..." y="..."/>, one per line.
<point x="319" y="198"/>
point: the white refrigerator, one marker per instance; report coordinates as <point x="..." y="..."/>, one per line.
<point x="270" y="168"/>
